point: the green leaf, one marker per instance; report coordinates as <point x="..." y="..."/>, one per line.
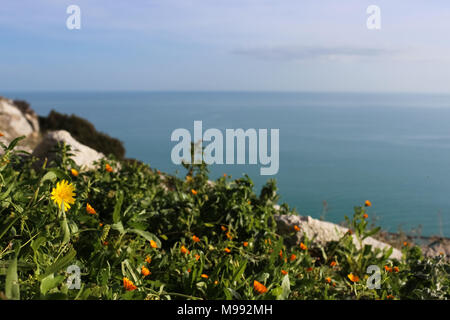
<point x="59" y="264"/>
<point x="146" y="235"/>
<point x="286" y="288"/>
<point x="50" y="282"/>
<point x="12" y="289"/>
<point x="118" y="207"/>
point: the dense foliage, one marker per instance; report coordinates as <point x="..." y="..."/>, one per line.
<point x="83" y="131"/>
<point x="136" y="233"/>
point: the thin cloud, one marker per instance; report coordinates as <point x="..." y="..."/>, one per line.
<point x="308" y="53"/>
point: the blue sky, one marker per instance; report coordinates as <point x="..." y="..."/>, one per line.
<point x="261" y="45"/>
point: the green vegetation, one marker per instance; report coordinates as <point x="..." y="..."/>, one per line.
<point x="84" y="132"/>
<point x="176" y="238"/>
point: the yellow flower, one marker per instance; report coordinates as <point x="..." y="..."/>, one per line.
<point x="128" y="284"/>
<point x="259" y="287"/>
<point x="89" y="209"/>
<point x="153" y="244"/>
<point x="353" y="278"/>
<point x="145" y="272"/>
<point x="74" y="172"/>
<point x="368" y="203"/>
<point x="63" y="194"/>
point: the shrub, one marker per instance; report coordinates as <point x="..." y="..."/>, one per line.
<point x="84" y="132"/>
<point x="140" y="239"/>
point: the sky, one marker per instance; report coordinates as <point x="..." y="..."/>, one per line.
<point x="225" y="45"/>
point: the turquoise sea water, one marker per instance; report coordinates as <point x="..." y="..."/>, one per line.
<point x="393" y="149"/>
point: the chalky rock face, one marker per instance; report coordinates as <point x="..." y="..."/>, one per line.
<point x="322" y="232"/>
<point x="83" y="155"/>
<point x="14" y="123"/>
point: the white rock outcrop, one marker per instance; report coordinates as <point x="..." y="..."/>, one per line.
<point x="14" y="123"/>
<point x="84" y="156"/>
<point x="322" y="232"/>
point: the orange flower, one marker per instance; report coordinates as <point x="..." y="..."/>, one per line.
<point x="368" y="203"/>
<point x="128" y="284"/>
<point x="284" y="272"/>
<point x="229" y="236"/>
<point x="328" y="279"/>
<point x="245" y="244"/>
<point x="387" y="269"/>
<point x="296" y="228"/>
<point x="197" y="256"/>
<point x="396" y="269"/>
<point x="227" y="250"/>
<point x="293" y="257"/>
<point x="405" y="244"/>
<point x="353" y="278"/>
<point x="105" y="243"/>
<point x="216" y="283"/>
<point x="390" y="296"/>
<point x="249" y="202"/>
<point x="309" y="269"/>
<point x="1" y="134"/>
<point x="189" y="270"/>
<point x="281" y="254"/>
<point x="74" y="172"/>
<point x="224" y="175"/>
<point x="195" y="238"/>
<point x="259" y="287"/>
<point x="204" y="276"/>
<point x="153" y="244"/>
<point x="89" y="209"/>
<point x="145" y="272"/>
<point x="194" y="192"/>
<point x="184" y="250"/>
<point x="349" y="232"/>
<point x="333" y="264"/>
<point x="108" y="168"/>
<point x="365" y="216"/>
<point x="303" y="246"/>
<point x="100" y="224"/>
<point x="148" y="259"/>
<point x="223" y="228"/>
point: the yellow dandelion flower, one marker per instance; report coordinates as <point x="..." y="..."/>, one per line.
<point x="63" y="194"/>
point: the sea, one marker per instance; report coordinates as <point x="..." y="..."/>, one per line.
<point x="336" y="150"/>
